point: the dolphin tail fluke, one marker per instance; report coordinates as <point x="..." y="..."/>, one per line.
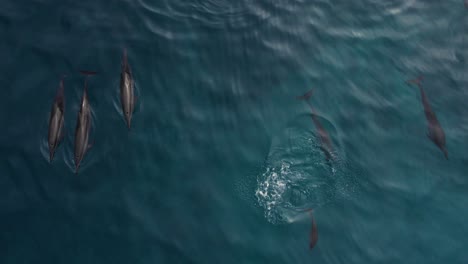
<point x="88" y="73"/>
<point x="417" y="81"/>
<point x="305" y="96"/>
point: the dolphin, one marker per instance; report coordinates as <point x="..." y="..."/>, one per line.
<point x="127" y="97"/>
<point x="56" y="120"/>
<point x="326" y="143"/>
<point x="313" y="232"/>
<point x="435" y="132"/>
<point x="83" y="125"/>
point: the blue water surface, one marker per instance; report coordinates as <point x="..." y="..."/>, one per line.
<point x="222" y="161"/>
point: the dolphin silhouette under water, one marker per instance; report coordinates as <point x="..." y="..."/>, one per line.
<point x="325" y="140"/>
<point x="313" y="237"/>
<point x="83" y="125"/>
<point x="435" y="132"/>
<point x="127" y="96"/>
<point x="56" y="121"/>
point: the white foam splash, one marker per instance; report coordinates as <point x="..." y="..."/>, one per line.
<point x="270" y="191"/>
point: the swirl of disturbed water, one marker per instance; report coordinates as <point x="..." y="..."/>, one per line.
<point x="297" y="176"/>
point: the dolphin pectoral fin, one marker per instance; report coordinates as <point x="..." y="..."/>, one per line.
<point x="90" y="145"/>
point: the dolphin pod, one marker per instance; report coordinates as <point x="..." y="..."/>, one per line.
<point x="84" y="119"/>
<point x="435" y="132"/>
<point x="127" y="97"/>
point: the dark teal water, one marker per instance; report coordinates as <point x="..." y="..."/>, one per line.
<point x="222" y="161"/>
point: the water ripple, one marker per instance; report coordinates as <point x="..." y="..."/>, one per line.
<point x="211" y="13"/>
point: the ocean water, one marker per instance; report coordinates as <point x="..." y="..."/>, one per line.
<point x="222" y="161"/>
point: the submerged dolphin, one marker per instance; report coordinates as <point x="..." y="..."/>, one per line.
<point x="127" y="97"/>
<point x="83" y="125"/>
<point x="326" y="143"/>
<point x="56" y="121"/>
<point x="313" y="232"/>
<point x="435" y="132"/>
